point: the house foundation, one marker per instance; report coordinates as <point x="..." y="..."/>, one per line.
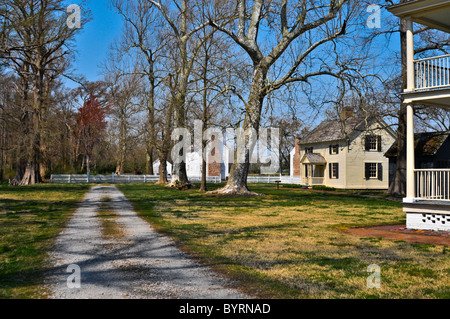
<point x="428" y="215"/>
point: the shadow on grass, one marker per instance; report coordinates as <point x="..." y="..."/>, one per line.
<point x="28" y="228"/>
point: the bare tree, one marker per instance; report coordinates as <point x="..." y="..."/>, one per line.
<point x="38" y="38"/>
<point x="289" y="22"/>
<point x="143" y="34"/>
<point x="124" y="100"/>
<point x="434" y="119"/>
<point x="184" y="19"/>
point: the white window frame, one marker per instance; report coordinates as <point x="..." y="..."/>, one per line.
<point x="333" y="175"/>
<point x="378" y="176"/>
<point x="335" y="149"/>
<point x="376" y="171"/>
<point x="373" y="137"/>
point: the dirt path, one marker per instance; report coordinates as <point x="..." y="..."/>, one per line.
<point x="140" y="264"/>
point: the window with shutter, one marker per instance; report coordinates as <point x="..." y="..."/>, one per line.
<point x="380" y="171"/>
<point x="373" y="143"/>
<point x="367" y="143"/>
<point x="334" y="171"/>
<point x="367" y="171"/>
<point x="334" y="149"/>
<point x="374" y="171"/>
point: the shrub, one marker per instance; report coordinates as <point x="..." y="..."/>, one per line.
<point x="323" y="188"/>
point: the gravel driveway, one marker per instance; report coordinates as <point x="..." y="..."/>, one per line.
<point x="141" y="264"/>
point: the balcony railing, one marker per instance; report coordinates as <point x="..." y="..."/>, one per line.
<point x="432" y="72"/>
<point x="433" y="184"/>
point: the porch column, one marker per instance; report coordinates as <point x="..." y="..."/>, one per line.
<point x="410" y="56"/>
<point x="410" y="147"/>
<point x="410" y="156"/>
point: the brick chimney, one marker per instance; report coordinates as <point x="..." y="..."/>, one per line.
<point x="214" y="162"/>
<point x="347" y="112"/>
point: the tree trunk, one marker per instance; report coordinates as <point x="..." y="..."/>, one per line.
<point x="162" y="170"/>
<point x="28" y="168"/>
<point x="164" y="147"/>
<point x="203" y="186"/>
<point x="20" y="172"/>
<point x="88" y="164"/>
<point x="237" y="182"/>
<point x="179" y="173"/>
<point x="32" y="173"/>
<point x="151" y="119"/>
<point x="398" y="186"/>
<point x="120" y="167"/>
<point x="149" y="163"/>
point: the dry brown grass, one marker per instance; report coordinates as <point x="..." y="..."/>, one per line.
<point x="109" y="219"/>
<point x="289" y="244"/>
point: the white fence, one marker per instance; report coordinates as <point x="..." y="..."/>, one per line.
<point x="433" y="184"/>
<point x="100" y="179"/>
<point x="123" y="179"/>
<point x="274" y="179"/>
<point x="117" y="179"/>
<point x="433" y="72"/>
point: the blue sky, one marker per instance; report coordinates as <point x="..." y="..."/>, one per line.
<point x="94" y="40"/>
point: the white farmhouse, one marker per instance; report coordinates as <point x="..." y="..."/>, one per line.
<point x="347" y="154"/>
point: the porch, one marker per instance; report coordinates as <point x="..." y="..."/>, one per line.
<point x="313" y="169"/>
<point x="427" y="203"/>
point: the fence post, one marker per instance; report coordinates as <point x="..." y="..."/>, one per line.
<point x="70" y="179"/>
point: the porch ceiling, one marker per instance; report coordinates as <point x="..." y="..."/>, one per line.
<point x="437" y="97"/>
<point x="432" y="13"/>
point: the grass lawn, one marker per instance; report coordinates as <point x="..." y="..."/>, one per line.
<point x="30" y="219"/>
<point x="289" y="244"/>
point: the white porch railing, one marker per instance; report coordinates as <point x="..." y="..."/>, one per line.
<point x="433" y="184"/>
<point x="432" y="72"/>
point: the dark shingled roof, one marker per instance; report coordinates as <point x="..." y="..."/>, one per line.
<point x="426" y="144"/>
<point x="334" y="130"/>
<point x="314" y="158"/>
